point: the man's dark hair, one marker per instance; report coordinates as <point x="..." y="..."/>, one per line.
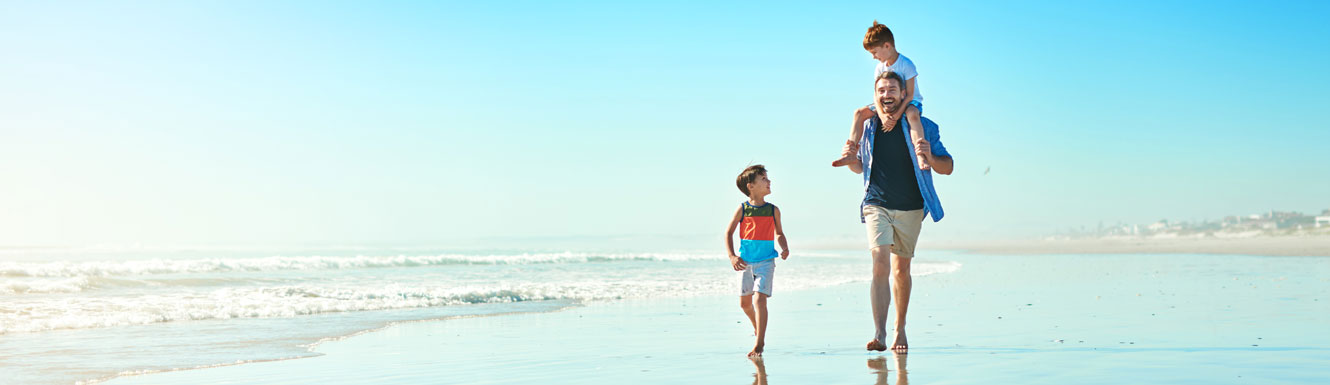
<point x="876" y="35"/>
<point x="749" y="175"/>
<point x="900" y="82"/>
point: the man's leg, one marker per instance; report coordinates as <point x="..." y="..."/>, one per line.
<point x="880" y="295"/>
<point x="906" y="226"/>
<point x="900" y="289"/>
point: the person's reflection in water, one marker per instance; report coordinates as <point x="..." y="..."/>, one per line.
<point x="879" y="367"/>
<point x="760" y="377"/>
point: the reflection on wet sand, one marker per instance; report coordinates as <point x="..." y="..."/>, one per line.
<point x="760" y="377"/>
<point x="878" y="366"/>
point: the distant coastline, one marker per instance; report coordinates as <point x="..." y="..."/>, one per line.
<point x="1303" y="245"/>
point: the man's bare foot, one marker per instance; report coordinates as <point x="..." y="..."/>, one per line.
<point x="900" y="346"/>
<point x="876" y="345"/>
<point x="846" y="160"/>
<point x="756" y="353"/>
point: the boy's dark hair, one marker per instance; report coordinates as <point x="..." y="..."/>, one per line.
<point x="749" y="175"/>
<point x="900" y="81"/>
<point x="876" y="35"/>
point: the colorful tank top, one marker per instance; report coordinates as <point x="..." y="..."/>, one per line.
<point x="757" y="233"/>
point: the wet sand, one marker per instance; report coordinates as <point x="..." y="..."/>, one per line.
<point x="1087" y="319"/>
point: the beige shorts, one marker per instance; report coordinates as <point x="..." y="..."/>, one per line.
<point x="899" y="229"/>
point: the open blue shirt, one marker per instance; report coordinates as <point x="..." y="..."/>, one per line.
<point x="932" y="206"/>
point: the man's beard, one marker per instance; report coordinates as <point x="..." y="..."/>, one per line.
<point x="889" y="105"/>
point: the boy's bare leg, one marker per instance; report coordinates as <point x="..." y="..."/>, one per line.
<point x="901" y="284"/>
<point x="746" y="302"/>
<point x="856" y="131"/>
<point x="880" y="295"/>
<point x="761" y="305"/>
<point x="917" y="132"/>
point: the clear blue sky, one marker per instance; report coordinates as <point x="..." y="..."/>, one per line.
<point x="426" y="122"/>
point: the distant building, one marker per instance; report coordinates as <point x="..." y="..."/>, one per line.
<point x="1323" y="221"/>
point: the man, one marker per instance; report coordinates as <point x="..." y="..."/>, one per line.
<point x="897" y="197"/>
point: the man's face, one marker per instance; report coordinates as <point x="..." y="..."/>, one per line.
<point x="888" y="93"/>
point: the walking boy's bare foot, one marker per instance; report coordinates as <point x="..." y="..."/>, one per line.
<point x="876" y="345"/>
<point x="900" y="346"/>
<point x="756" y="353"/>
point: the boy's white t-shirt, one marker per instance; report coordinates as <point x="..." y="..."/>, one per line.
<point x="905" y="68"/>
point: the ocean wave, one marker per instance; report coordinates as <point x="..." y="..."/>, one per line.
<point x="44" y="286"/>
<point x="229" y="303"/>
<point x="62" y="303"/>
<point x="276" y="263"/>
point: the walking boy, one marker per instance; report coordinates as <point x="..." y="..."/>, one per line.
<point x="760" y="231"/>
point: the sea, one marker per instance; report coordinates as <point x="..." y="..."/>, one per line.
<point x="88" y="314"/>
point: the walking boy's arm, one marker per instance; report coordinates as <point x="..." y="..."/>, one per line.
<point x="735" y="262"/>
<point x="780" y="237"/>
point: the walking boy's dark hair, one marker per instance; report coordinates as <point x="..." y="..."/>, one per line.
<point x="876" y="35"/>
<point x="749" y="175"/>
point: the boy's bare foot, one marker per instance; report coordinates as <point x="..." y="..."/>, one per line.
<point x="756" y="353"/>
<point x="876" y="345"/>
<point x="900" y="346"/>
<point x="846" y="160"/>
<point x="923" y="162"/>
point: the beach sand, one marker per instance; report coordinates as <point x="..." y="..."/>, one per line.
<point x="1086" y="319"/>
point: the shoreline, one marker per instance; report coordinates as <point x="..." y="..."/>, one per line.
<point x="1290" y="246"/>
<point x="549" y="306"/>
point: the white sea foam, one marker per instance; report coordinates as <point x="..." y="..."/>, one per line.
<point x="246" y="302"/>
<point x="146" y="304"/>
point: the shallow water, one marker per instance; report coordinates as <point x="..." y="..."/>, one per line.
<point x="70" y="315"/>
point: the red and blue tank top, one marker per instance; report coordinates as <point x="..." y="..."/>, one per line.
<point x="757" y="233"/>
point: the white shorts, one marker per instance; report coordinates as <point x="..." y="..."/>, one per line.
<point x="757" y="277"/>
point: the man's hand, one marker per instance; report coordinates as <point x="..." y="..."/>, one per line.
<point x="736" y="263"/>
<point x="851" y="148"/>
<point x="922" y="148"/>
<point x="785" y="254"/>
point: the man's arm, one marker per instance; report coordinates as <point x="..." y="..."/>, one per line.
<point x="780" y="237"/>
<point x="735" y="262"/>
